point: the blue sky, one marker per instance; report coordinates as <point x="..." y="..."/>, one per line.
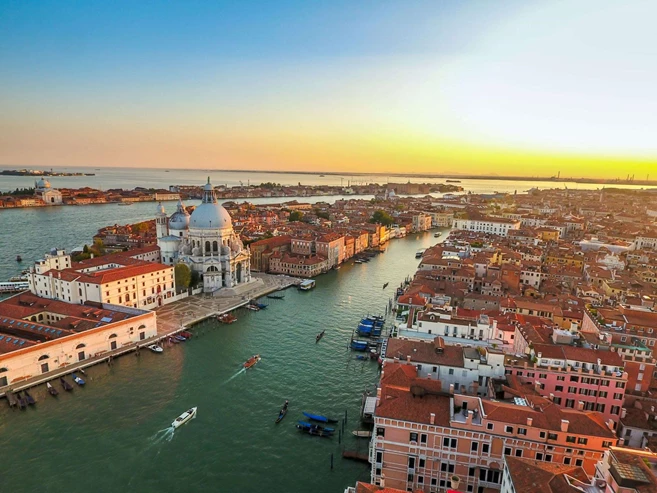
<point x="315" y="84"/>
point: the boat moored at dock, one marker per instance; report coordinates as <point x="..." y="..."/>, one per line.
<point x="226" y="318"/>
<point x="319" y="417"/>
<point x="307" y="285"/>
<point x="184" y="418"/>
<point x="52" y="390"/>
<point x="77" y="380"/>
<point x="65" y="385"/>
<point x="155" y="348"/>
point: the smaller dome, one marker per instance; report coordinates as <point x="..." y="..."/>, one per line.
<point x="179" y="221"/>
<point x="43" y="183"/>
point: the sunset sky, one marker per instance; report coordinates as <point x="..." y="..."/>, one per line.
<point x="508" y="88"/>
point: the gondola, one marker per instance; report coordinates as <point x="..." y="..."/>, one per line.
<point x="22" y="401"/>
<point x="30" y="399"/>
<point x="319" y="336"/>
<point x="282" y="412"/>
<point x="385" y="285"/>
<point x="276" y="296"/>
<point x="65" y="385"/>
<point x="320" y="418"/>
<point x="52" y="390"/>
<point x="310" y="426"/>
<point x="180" y="338"/>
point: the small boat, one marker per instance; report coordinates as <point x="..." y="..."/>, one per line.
<point x="361" y="357"/>
<point x="252" y="308"/>
<point x="174" y="340"/>
<point x="318" y="417"/>
<point x="385" y="285"/>
<point x="306" y="425"/>
<point x="362" y="433"/>
<point x="282" y="412"/>
<point x="307" y="285"/>
<point x="19" y="258"/>
<point x="252" y="361"/>
<point x="259" y="306"/>
<point x="51" y="390"/>
<point x="30" y="399"/>
<point x="77" y="379"/>
<point x="186" y="334"/>
<point x="437" y="235"/>
<point x="183" y="418"/>
<point x="65" y="385"/>
<point x="359" y="345"/>
<point x="179" y="338"/>
<point x="276" y="296"/>
<point x="155" y="348"/>
<point x="11" y="399"/>
<point x="315" y="432"/>
<point x="226" y="318"/>
<point x="319" y="336"/>
<point x="125" y="203"/>
<point x="22" y="400"/>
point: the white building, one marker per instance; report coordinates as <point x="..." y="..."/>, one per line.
<point x="206" y="242"/>
<point x="491" y="225"/>
<point x="49" y="195"/>
<point x="445" y="324"/>
<point x="120" y="279"/>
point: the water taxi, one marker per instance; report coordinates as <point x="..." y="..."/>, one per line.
<point x="184" y="417"/>
<point x="437" y="235"/>
<point x="155" y="348"/>
<point x="226" y="318"/>
<point x="307" y="285"/>
<point x="420" y="252"/>
<point x="252" y="361"/>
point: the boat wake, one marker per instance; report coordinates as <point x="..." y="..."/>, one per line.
<point x="242" y="370"/>
<point x="163" y="435"/>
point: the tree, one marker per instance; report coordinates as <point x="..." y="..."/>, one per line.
<point x="196" y="278"/>
<point x="183" y="275"/>
<point x="295" y="216"/>
<point x="85" y="249"/>
<point x="382" y="217"/>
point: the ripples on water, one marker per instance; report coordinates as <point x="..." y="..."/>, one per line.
<point x="100" y="437"/>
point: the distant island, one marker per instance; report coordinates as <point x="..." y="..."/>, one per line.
<point x="36" y="172"/>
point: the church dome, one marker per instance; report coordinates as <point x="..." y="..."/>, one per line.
<point x="179" y="221"/>
<point x="43" y="183"/>
<point x="210" y="214"/>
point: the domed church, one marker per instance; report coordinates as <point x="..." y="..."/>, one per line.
<point x="205" y="241"/>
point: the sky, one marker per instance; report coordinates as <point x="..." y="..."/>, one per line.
<point x="512" y="88"/>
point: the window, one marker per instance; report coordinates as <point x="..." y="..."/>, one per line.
<point x="471" y="472"/>
<point x="522" y="431"/>
<point x="485" y="448"/>
<point x="449" y="442"/>
<point x="620" y="385"/>
<point x="561" y="378"/>
<point x="607" y="444"/>
<point x="574" y="378"/>
<point x="582" y="441"/>
<point x="542" y="434"/>
<point x="421" y="462"/>
<point x="567" y="460"/>
<point x="518" y="452"/>
<point x="423" y="438"/>
<point x="411" y="462"/>
<point x="572" y="390"/>
<point x="489" y="426"/>
<point x="571" y="439"/>
<point x="558" y="388"/>
<point x="507" y="451"/>
<point x="451" y="371"/>
<point x="618" y="397"/>
<point x="579" y="462"/>
<point x="539" y="456"/>
<point x="474" y="446"/>
<point x="381" y="432"/>
<point x="413" y="437"/>
<point x="508" y="429"/>
<point x="553" y="436"/>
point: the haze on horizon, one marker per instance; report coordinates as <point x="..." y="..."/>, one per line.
<point x="454" y="87"/>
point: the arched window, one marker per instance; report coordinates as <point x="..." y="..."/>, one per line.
<point x="2" y="370"/>
<point x="34" y="319"/>
<point x="40" y="317"/>
<point x="215" y="246"/>
<point x="112" y="336"/>
<point x="80" y="346"/>
<point x="127" y="297"/>
<point x="213" y="268"/>
<point x="207" y="247"/>
<point x="141" y="327"/>
<point x="44" y="356"/>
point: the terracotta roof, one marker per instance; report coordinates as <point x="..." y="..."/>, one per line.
<point x="424" y="352"/>
<point x="543" y="477"/>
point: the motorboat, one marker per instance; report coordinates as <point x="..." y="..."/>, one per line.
<point x="282" y="412"/>
<point x="65" y="385"/>
<point x="51" y="390"/>
<point x="184" y="417"/>
<point x="252" y="361"/>
<point x="319" y="336"/>
<point x="226" y="318"/>
<point x="362" y="433"/>
<point x="155" y="348"/>
<point x="306" y="425"/>
<point x="77" y="380"/>
<point x="307" y="285"/>
<point x="186" y="334"/>
<point x="319" y="417"/>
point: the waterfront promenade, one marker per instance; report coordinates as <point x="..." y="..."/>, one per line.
<point x="180" y="315"/>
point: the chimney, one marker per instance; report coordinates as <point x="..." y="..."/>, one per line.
<point x="468" y="418"/>
<point x="451" y="388"/>
<point x="432" y="418"/>
<point x="530" y="421"/>
<point x="623" y="413"/>
<point x="580" y="405"/>
<point x="611" y="425"/>
<point x="408" y="359"/>
<point x="539" y="355"/>
<point x="564" y="425"/>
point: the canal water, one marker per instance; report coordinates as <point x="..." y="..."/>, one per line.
<point x="112" y="434"/>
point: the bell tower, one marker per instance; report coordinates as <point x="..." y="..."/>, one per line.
<point x="161" y="222"/>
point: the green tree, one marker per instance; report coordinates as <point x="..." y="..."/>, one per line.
<point x="85" y="249"/>
<point x="382" y="217"/>
<point x="295" y="216"/>
<point x="196" y="278"/>
<point x="183" y="276"/>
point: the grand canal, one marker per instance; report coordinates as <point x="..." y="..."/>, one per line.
<point x="108" y="436"/>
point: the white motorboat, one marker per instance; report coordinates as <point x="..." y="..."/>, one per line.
<point x="184" y="417"/>
<point x="155" y="348"/>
